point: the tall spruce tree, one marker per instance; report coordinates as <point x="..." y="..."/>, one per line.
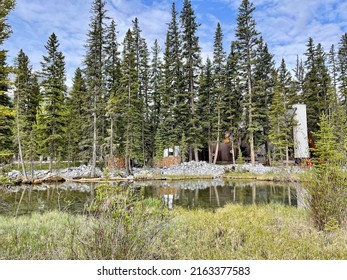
<point x="333" y="66"/>
<point x="316" y="84"/>
<point x="26" y="98"/>
<point x="206" y="107"/>
<point x="169" y="129"/>
<point x="342" y="68"/>
<point x="263" y="86"/>
<point x="76" y="106"/>
<point x="94" y="71"/>
<point x="247" y="40"/>
<point x="112" y="80"/>
<point x="142" y="67"/>
<point x="280" y="115"/>
<point x="52" y="116"/>
<point x="286" y="83"/>
<point x="186" y="107"/>
<point x="155" y="99"/>
<point x="234" y="100"/>
<point x="219" y="82"/>
<point x="299" y="79"/>
<point x="132" y="104"/>
<point x="6" y="113"/>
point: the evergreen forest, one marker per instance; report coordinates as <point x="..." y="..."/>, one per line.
<point x="131" y="101"/>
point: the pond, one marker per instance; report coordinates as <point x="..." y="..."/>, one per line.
<point x="77" y="197"/>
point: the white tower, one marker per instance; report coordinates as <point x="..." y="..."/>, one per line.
<point x="301" y="149"/>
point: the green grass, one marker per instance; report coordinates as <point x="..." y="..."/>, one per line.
<point x="45" y="165"/>
<point x="252" y="232"/>
<point x="173" y="177"/>
<point x="277" y="177"/>
<point x="232" y="232"/>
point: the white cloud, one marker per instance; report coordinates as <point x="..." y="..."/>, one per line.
<point x="285" y="25"/>
<point x="33" y="21"/>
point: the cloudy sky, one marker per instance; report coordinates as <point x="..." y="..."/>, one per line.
<point x="285" y="25"/>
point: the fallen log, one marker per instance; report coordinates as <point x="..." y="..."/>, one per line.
<point x="50" y="179"/>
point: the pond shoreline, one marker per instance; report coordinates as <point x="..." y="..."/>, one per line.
<point x="184" y="171"/>
<point x="236" y="177"/>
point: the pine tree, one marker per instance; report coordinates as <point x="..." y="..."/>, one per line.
<point x="326" y="185"/>
<point x="263" y="85"/>
<point x="316" y="84"/>
<point x="298" y="83"/>
<point x="172" y="85"/>
<point x="291" y="97"/>
<point x="27" y="98"/>
<point x="333" y="66"/>
<point x="6" y="113"/>
<point x="112" y="79"/>
<point x="206" y="106"/>
<point x="286" y="83"/>
<point x="94" y="71"/>
<point x="186" y="107"/>
<point x="156" y="92"/>
<point x="234" y="99"/>
<point x="279" y="119"/>
<point x="53" y="110"/>
<point x="142" y="67"/>
<point x="76" y="107"/>
<point x="219" y="82"/>
<point x="247" y="44"/>
<point x="342" y="67"/>
<point x="132" y="104"/>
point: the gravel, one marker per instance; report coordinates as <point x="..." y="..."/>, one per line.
<point x="75" y="172"/>
<point x="204" y="168"/>
<point x="186" y="168"/>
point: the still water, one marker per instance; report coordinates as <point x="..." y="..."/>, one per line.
<point x="77" y="197"/>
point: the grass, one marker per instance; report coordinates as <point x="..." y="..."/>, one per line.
<point x="173" y="177"/>
<point x="270" y="176"/>
<point x="252" y="232"/>
<point x="43" y="165"/>
<point x="233" y="232"/>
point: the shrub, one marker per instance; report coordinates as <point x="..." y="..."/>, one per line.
<point x="126" y="225"/>
<point x="327" y="197"/>
<point x="326" y="184"/>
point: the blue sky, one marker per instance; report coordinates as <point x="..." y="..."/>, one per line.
<point x="285" y="25"/>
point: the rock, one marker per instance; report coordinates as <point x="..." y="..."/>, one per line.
<point x="14" y="175"/>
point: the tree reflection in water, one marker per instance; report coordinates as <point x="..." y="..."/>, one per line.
<point x="77" y="198"/>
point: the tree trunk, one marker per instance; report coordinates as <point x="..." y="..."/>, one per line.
<point x="111" y="140"/>
<point x="232" y="150"/>
<point x="287" y="155"/>
<point x="143" y="143"/>
<point x="21" y="157"/>
<point x="196" y="153"/>
<point x="50" y="163"/>
<point x="210" y="153"/>
<point x="267" y="154"/>
<point x="239" y="154"/>
<point x="216" y="152"/>
<point x="94" y="144"/>
<point x="19" y="143"/>
<point x="218" y="138"/>
<point x="250" y="115"/>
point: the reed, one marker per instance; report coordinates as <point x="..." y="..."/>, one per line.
<point x="234" y="232"/>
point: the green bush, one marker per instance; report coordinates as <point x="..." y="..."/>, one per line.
<point x="327" y="197"/>
<point x="326" y="184"/>
<point x="5" y="157"/>
<point x="126" y="225"/>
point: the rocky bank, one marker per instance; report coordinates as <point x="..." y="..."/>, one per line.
<point x="193" y="168"/>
